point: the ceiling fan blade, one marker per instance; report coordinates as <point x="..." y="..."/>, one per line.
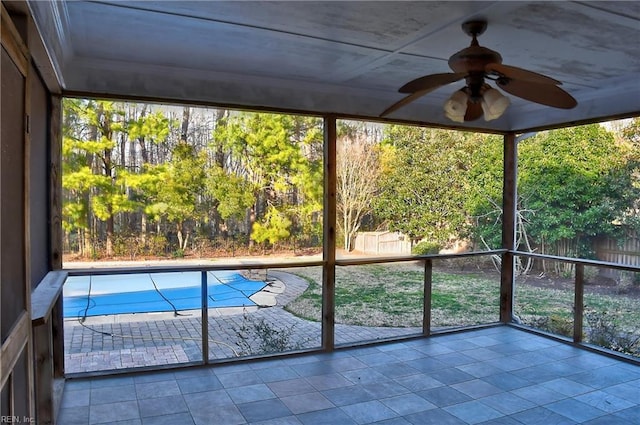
<point x="431" y="82"/>
<point x="474" y="111"/>
<point x="404" y="101"/>
<point x="545" y="94"/>
<point x="515" y="73"/>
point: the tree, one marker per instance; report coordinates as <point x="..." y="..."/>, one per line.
<point x="358" y="171"/>
<point x="631" y="131"/>
<point x="631" y="139"/>
<point x="188" y="169"/>
<point x="75" y="206"/>
<point x="232" y="193"/>
<point x="151" y="127"/>
<point x="423" y="187"/>
<point x="182" y="183"/>
<point x="146" y="130"/>
<point x="273" y="228"/>
<point x="484" y="203"/>
<point x="92" y="177"/>
<point x="576" y="184"/>
<point x="277" y="155"/>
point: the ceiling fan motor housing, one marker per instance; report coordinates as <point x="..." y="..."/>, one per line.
<point x="473" y="59"/>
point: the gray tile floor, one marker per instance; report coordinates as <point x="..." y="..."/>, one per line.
<point x="499" y="375"/>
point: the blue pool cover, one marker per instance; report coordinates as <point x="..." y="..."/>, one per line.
<point x="135" y="293"/>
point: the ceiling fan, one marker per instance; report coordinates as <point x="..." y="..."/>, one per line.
<point x="476" y="64"/>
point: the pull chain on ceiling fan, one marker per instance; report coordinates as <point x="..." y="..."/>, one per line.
<point x="476" y="64"/>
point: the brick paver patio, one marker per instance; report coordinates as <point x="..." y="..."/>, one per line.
<point x="102" y="344"/>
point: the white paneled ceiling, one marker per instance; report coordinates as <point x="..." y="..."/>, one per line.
<point x="347" y="58"/>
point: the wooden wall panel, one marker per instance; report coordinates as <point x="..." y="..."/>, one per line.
<point x="5" y="400"/>
<point x="21" y="381"/>
<point x="16" y="355"/>
<point x="12" y="189"/>
<point x="38" y="181"/>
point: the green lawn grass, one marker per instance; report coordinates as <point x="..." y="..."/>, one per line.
<point x="392" y="295"/>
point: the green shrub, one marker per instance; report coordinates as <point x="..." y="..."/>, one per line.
<point x="156" y="245"/>
<point x="603" y="331"/>
<point x="424" y="248"/>
<point x="561" y="325"/>
<point x="127" y="246"/>
<point x="257" y="336"/>
<point x="555" y="324"/>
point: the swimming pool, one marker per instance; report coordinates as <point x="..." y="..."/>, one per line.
<point x="85" y="296"/>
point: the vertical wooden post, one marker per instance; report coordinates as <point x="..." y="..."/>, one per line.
<point x="55" y="182"/>
<point x="44" y="373"/>
<point x="578" y="303"/>
<point x="205" y="316"/>
<point x="55" y="227"/>
<point x="57" y="336"/>
<point x="329" y="235"/>
<point x="509" y="211"/>
<point x="27" y="258"/>
<point x="56" y="321"/>
<point x="426" y="314"/>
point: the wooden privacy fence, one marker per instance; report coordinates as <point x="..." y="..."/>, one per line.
<point x="625" y="251"/>
<point x="382" y="243"/>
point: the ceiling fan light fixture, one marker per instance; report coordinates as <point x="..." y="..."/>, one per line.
<point x="494" y="104"/>
<point x="456" y="106"/>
